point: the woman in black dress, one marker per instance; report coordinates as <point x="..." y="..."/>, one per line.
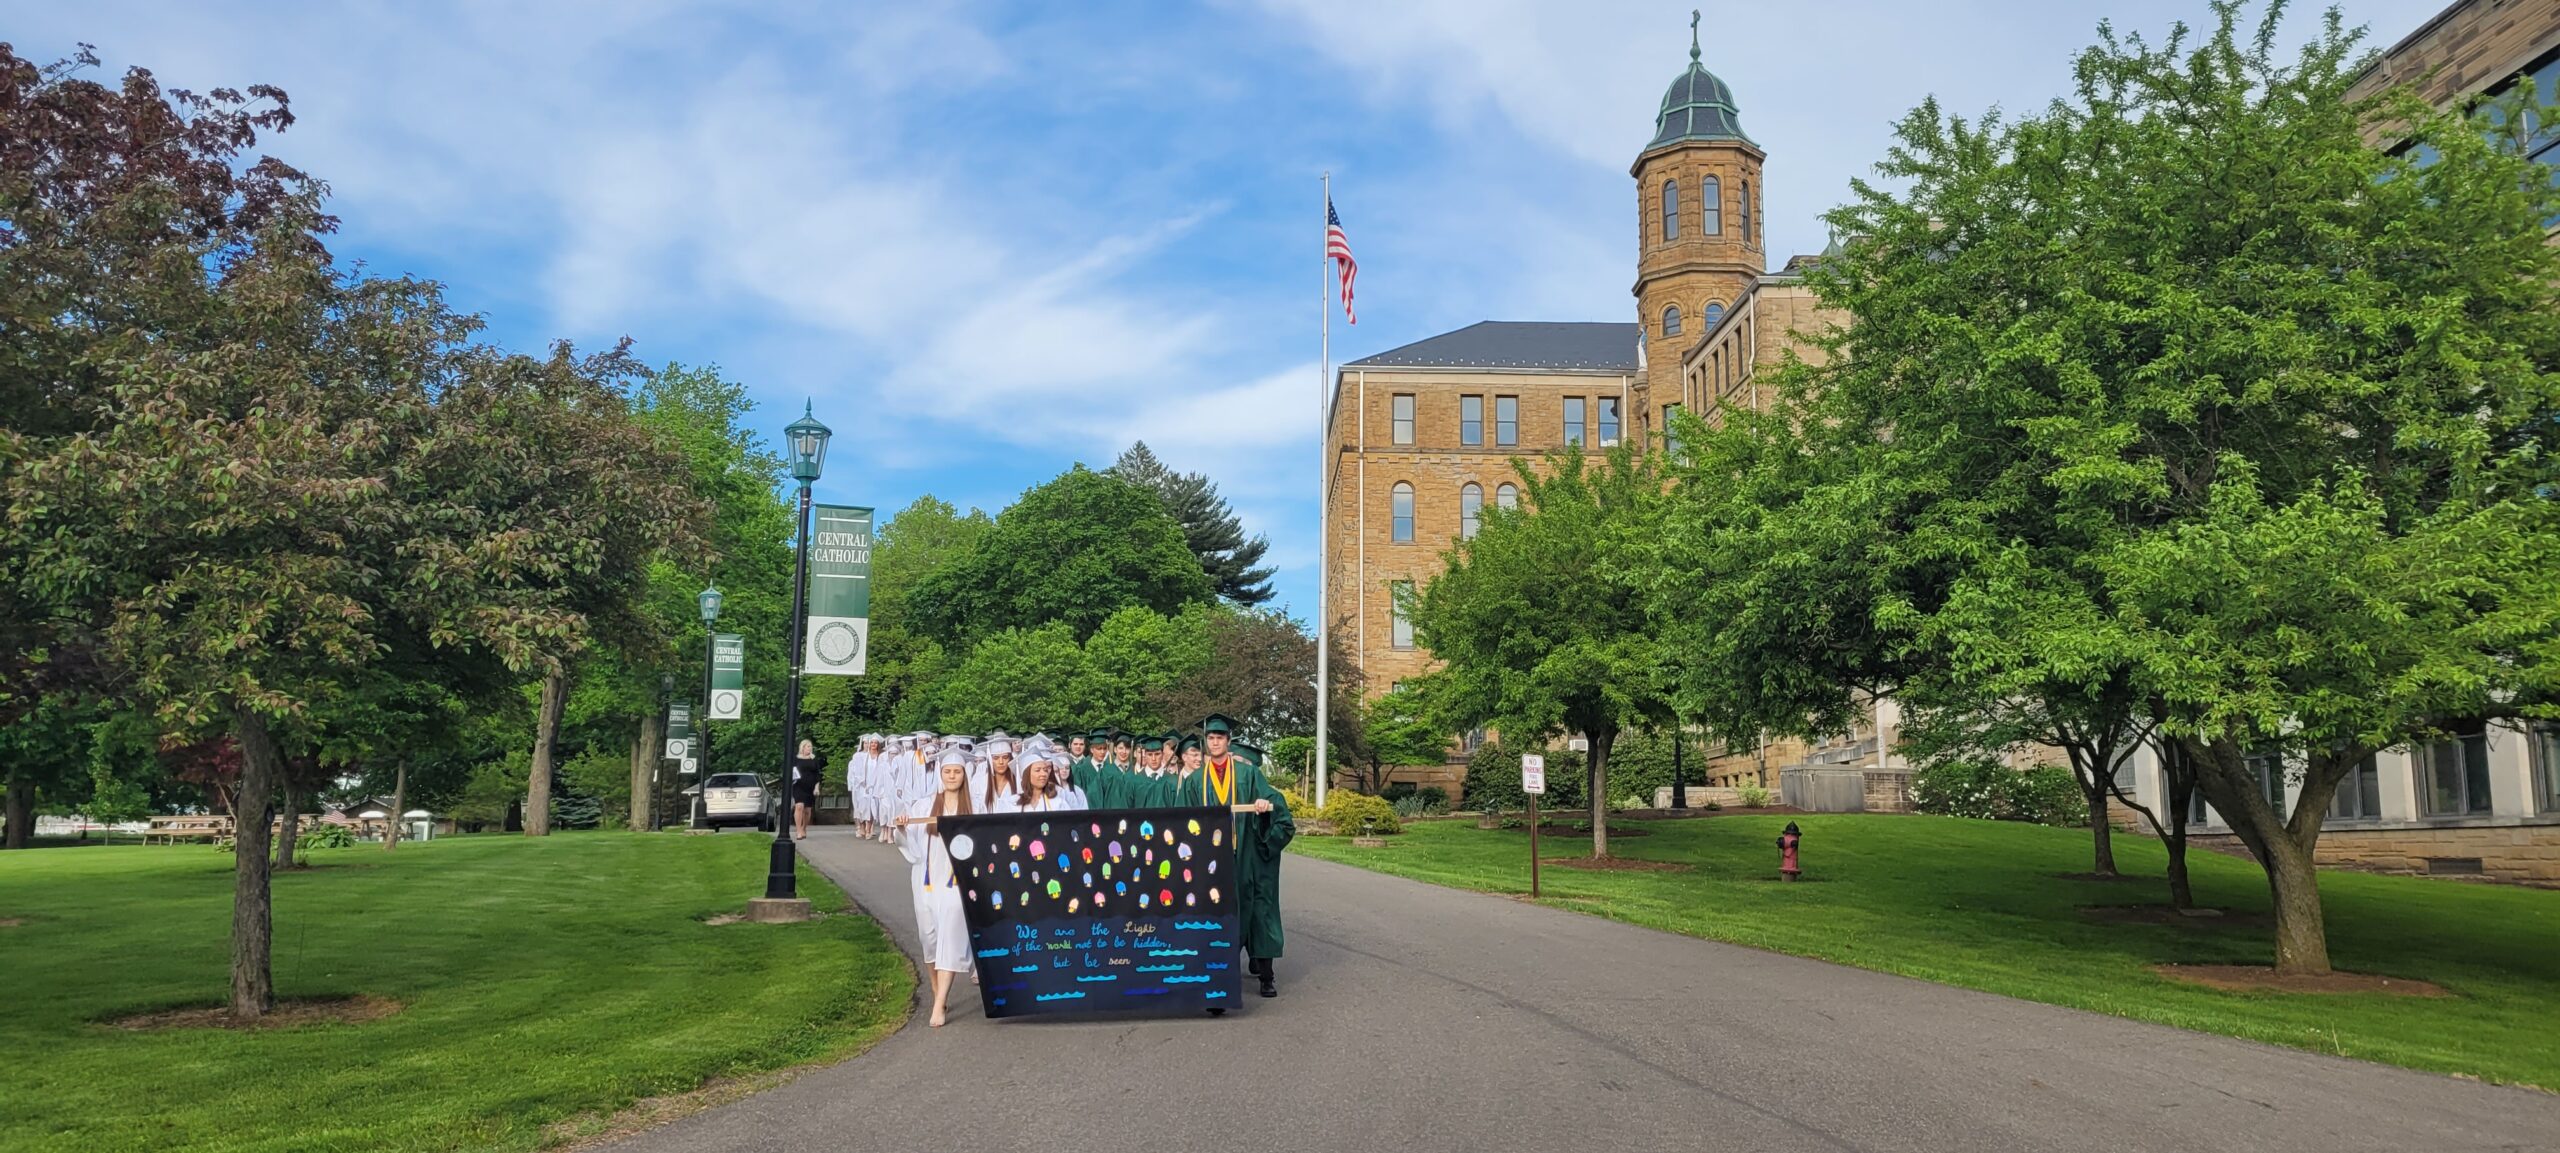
<point x="805" y="770"/>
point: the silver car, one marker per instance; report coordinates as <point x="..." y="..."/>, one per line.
<point x="737" y="799"/>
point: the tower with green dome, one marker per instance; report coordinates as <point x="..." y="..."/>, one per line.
<point x="1698" y="217"/>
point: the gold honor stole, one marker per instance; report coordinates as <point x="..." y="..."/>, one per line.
<point x="1224" y="790"/>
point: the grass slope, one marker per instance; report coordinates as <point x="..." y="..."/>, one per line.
<point x="1980" y="904"/>
<point x="543" y="980"/>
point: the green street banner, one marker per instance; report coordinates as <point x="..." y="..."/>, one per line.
<point x="839" y="637"/>
<point x="679" y="730"/>
<point x="728" y="677"/>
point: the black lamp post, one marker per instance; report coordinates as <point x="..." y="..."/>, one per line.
<point x="806" y="440"/>
<point x="710" y="602"/>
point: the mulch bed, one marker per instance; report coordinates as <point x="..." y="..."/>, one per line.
<point x="286" y="1015"/>
<point x="2164" y="915"/>
<point x="2263" y="979"/>
<point x="1614" y="865"/>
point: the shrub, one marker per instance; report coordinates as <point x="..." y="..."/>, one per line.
<point x="1987" y="790"/>
<point x="327" y="837"/>
<point x="1751" y="796"/>
<point x="1713" y="806"/>
<point x="1357" y="814"/>
<point x="1436" y="797"/>
<point x="1422" y="803"/>
<point x="1399" y="790"/>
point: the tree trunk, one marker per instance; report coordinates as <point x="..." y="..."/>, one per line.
<point x="289" y="816"/>
<point x="2181" y="895"/>
<point x="21" y="813"/>
<point x="2102" y="835"/>
<point x="399" y="805"/>
<point x="546" y="731"/>
<point x="252" y="914"/>
<point x="2302" y="930"/>
<point x="644" y="775"/>
<point x="1599" y="776"/>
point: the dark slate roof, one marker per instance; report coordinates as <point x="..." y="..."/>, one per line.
<point x="1698" y="107"/>
<point x="1577" y="346"/>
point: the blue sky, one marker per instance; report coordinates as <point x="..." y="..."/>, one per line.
<point x="990" y="240"/>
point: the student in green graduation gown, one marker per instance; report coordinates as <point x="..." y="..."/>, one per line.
<point x="1106" y="786"/>
<point x="1260" y="836"/>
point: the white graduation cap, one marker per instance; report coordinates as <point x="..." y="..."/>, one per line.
<point x="996" y="746"/>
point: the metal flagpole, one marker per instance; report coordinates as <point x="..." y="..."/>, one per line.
<point x="1324" y="486"/>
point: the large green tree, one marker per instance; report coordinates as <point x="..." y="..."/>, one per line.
<point x="1538" y="628"/>
<point x="1075" y="549"/>
<point x="2180" y="405"/>
<point x="1209" y="525"/>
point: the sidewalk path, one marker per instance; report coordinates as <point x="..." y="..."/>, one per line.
<point x="1414" y="1019"/>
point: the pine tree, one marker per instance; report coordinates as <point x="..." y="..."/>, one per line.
<point x="1209" y="525"/>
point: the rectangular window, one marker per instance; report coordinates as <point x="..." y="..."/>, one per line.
<point x="2546" y="768"/>
<point x="2453" y="774"/>
<point x="1404" y="418"/>
<point x="2359" y="794"/>
<point x="1400" y="633"/>
<point x="1506" y="420"/>
<point x="1573" y="421"/>
<point x="1471" y="420"/>
<point x="1670" y="436"/>
<point x="1608" y="421"/>
<point x="2268" y="768"/>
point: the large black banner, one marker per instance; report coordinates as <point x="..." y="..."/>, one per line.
<point x="1097" y="911"/>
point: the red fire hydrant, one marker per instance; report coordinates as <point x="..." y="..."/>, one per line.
<point x="1787" y="842"/>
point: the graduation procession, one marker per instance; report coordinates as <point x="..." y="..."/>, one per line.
<point x="936" y="798"/>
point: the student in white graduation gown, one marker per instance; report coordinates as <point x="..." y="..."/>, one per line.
<point x="999" y="785"/>
<point x="861" y="782"/>
<point x="1040" y="792"/>
<point x="940" y="924"/>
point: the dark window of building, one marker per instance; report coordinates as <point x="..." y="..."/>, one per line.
<point x="2546" y="768"/>
<point x="1743" y="214"/>
<point x="1404" y="418"/>
<point x="2268" y="769"/>
<point x="1671" y="320"/>
<point x="1471" y="420"/>
<point x="1670" y="435"/>
<point x="2359" y="794"/>
<point x="1573" y="420"/>
<point x="1711" y="316"/>
<point x="1671" y="210"/>
<point x="1507" y="497"/>
<point x="1506" y="420"/>
<point x="1470" y="505"/>
<point x="1710" y="205"/>
<point x="1402" y="512"/>
<point x="2453" y="773"/>
<point x="1400" y="626"/>
<point x="1608" y="421"/>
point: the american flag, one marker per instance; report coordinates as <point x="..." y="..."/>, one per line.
<point x="1338" y="246"/>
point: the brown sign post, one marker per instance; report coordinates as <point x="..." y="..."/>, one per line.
<point x="1533" y="782"/>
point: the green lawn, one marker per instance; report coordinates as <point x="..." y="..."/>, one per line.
<point x="543" y="980"/>
<point x="1980" y="904"/>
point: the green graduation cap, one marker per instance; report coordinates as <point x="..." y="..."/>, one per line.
<point x="1219" y="723"/>
<point x="1097" y="735"/>
<point x="1249" y="751"/>
<point x="1190" y="743"/>
<point x="1151" y="742"/>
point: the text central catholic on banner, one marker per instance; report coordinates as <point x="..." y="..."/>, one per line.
<point x="838" y="642"/>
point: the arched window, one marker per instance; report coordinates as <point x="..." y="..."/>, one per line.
<point x="1403" y="511"/>
<point x="1711" y="205"/>
<point x="1745" y="217"/>
<point x="1507" y="497"/>
<point x="1671" y="321"/>
<point x="1470" y="502"/>
<point x="1671" y="210"/>
<point x="1711" y="316"/>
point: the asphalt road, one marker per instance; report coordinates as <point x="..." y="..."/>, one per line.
<point x="1414" y="1018"/>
